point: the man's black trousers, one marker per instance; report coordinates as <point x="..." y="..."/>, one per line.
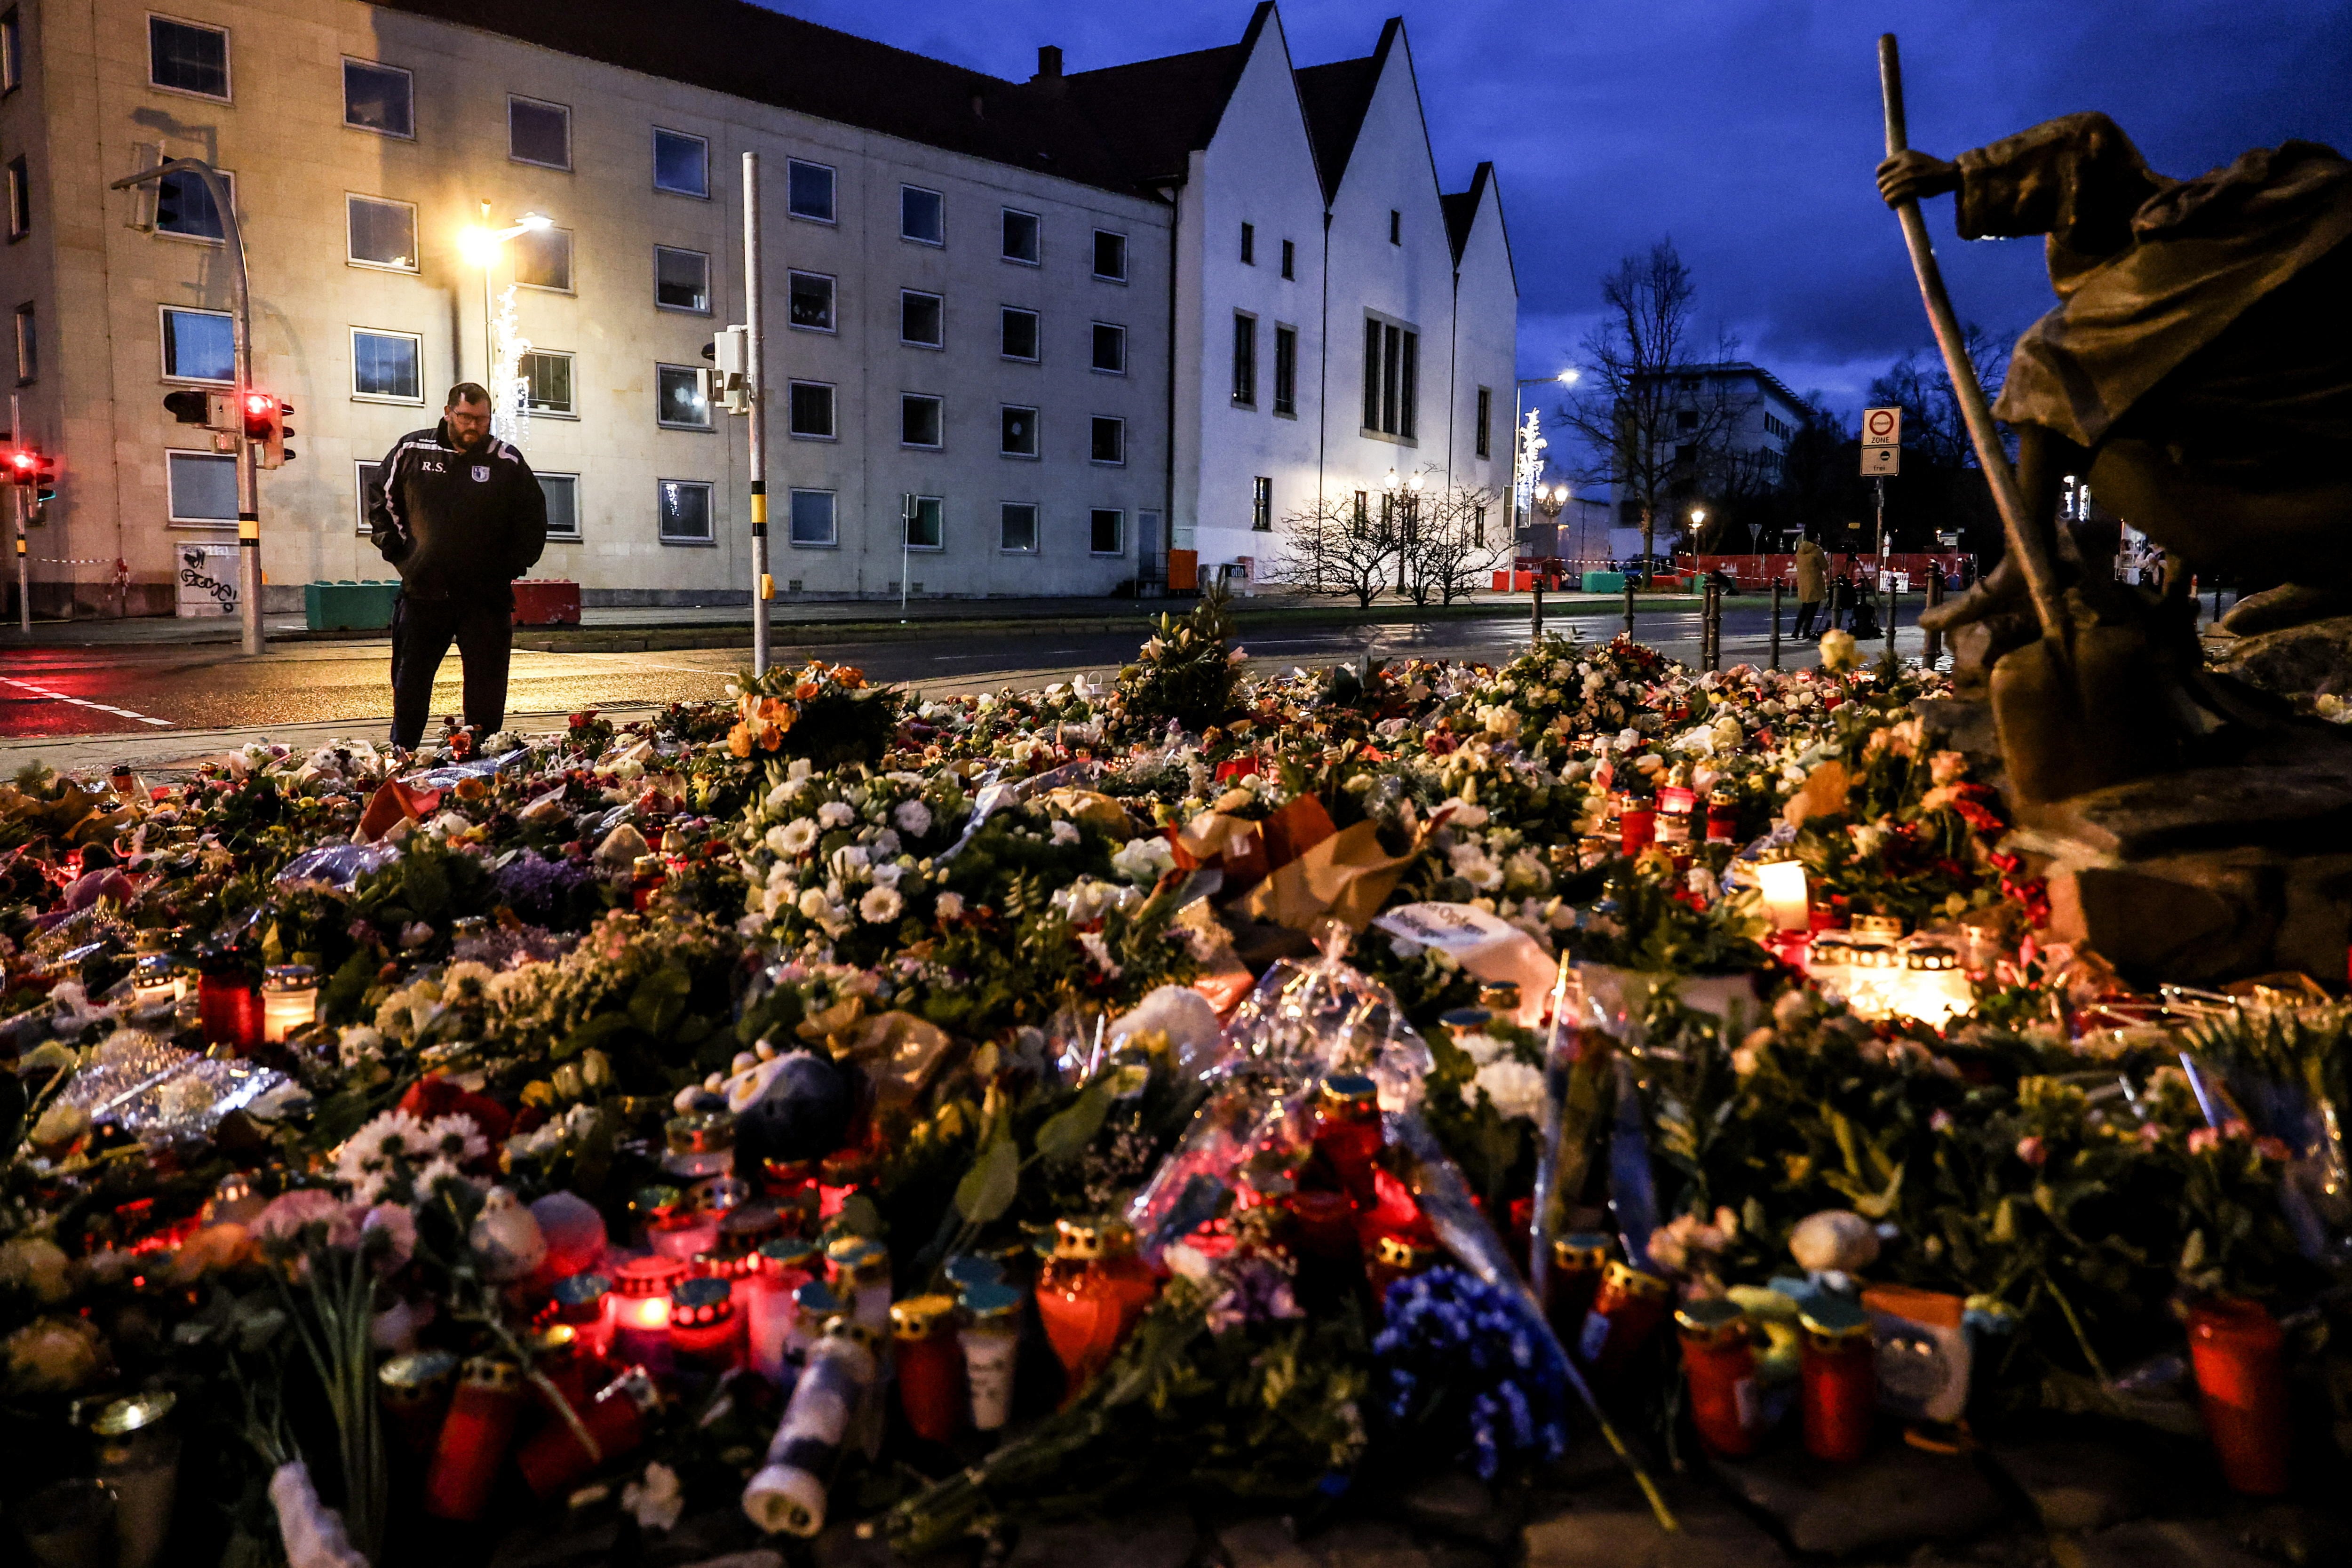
<point x="422" y="631"/>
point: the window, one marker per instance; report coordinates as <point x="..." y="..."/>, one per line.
<point x="185" y="57"/>
<point x="1289" y="258"/>
<point x="1262" y="504"/>
<point x="810" y="302"/>
<point x="381" y="232"/>
<point x="1396" y="226"/>
<point x="12" y="51"/>
<point x="1104" y="527"/>
<point x="1021" y="231"/>
<point x="812" y="519"/>
<point x="681" y="164"/>
<point x="1020" y="432"/>
<point x="1110" y="256"/>
<point x="1016" y="526"/>
<point x="199" y="346"/>
<point x="678" y="400"/>
<point x="543" y="258"/>
<point x="1479" y="526"/>
<point x="387" y="365"/>
<point x="1484" y="431"/>
<point x="1685" y="418"/>
<point x="546" y="380"/>
<point x="539" y="132"/>
<point x="1110" y="349"/>
<point x="1364" y="510"/>
<point x="1108" y="441"/>
<point x="28" y="346"/>
<point x="921" y="420"/>
<point x="922" y="319"/>
<point x="1249" y="245"/>
<point x="808" y="191"/>
<point x="809" y="410"/>
<point x="681" y="280"/>
<point x="562" y="493"/>
<point x="922" y="215"/>
<point x="379" y="97"/>
<point x="1019" y="329"/>
<point x="1391" y="370"/>
<point x="363" y="479"/>
<point x="926" y="522"/>
<point x="184" y="207"/>
<point x="20" y="198"/>
<point x="201" y="487"/>
<point x="685" y="511"/>
<point x="1244" y="359"/>
<point x="1286" y="371"/>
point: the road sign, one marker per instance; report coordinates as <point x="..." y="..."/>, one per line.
<point x="1877" y="462"/>
<point x="1882" y="426"/>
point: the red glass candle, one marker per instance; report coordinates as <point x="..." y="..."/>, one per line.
<point x="474" y="1440"/>
<point x="1722" y="817"/>
<point x="230" y="1006"/>
<point x="1327" y="1224"/>
<point x="648" y="875"/>
<point x="1578" y="1261"/>
<point x="582" y="1300"/>
<point x="1719" y="1364"/>
<point x="415" y="1392"/>
<point x="931" y="1365"/>
<point x="2240" y="1356"/>
<point x="640" y="1310"/>
<point x="1395" y="1258"/>
<point x="703" y="1328"/>
<point x="1840" y="1393"/>
<point x="1347" y="1132"/>
<point x="617" y="1418"/>
<point x="557" y="1355"/>
<point x="1626" y="1310"/>
<point x="1090" y="1295"/>
<point x="1637" y="829"/>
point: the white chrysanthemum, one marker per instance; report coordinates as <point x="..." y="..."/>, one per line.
<point x="913" y="817"/>
<point x="836" y="814"/>
<point x="1065" y="831"/>
<point x="795" y="837"/>
<point x="880" y="904"/>
<point x="1514" y="1089"/>
<point x="812" y="904"/>
<point x="1481" y="1048"/>
<point x="457" y="1136"/>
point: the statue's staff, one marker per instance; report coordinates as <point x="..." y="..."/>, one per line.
<point x="2040" y="578"/>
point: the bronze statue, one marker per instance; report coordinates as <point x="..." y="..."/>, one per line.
<point x="2198" y="370"/>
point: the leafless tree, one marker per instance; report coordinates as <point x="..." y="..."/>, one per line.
<point x="1453" y="538"/>
<point x="1648" y="426"/>
<point x="1328" y="547"/>
<point x="1934" y="429"/>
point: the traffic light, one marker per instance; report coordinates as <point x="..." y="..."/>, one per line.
<point x="266" y="426"/>
<point x="189" y="407"/>
<point x="728" y="383"/>
<point x="24" y="466"/>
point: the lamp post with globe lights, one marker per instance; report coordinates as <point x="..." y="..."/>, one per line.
<point x="1523" y="474"/>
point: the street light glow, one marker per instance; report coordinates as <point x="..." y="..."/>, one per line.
<point x="1568" y="377"/>
<point x="1389" y="483"/>
<point x="535" y="223"/>
<point x="478" y="246"/>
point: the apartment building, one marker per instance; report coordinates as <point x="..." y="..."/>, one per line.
<point x="979" y="329"/>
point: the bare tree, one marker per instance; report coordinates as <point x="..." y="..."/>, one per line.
<point x="1453" y="537"/>
<point x="1651" y="426"/>
<point x="1932" y="427"/>
<point x="1328" y="547"/>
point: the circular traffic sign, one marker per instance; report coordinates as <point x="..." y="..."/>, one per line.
<point x="1878" y="424"/>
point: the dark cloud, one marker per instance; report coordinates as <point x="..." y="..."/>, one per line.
<point x="1746" y="130"/>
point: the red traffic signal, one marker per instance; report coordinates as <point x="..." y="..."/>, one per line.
<point x="24" y="466"/>
<point x="261" y="412"/>
<point x="265" y="425"/>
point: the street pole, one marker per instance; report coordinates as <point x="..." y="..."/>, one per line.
<point x="1776" y="623"/>
<point x="1537" y="631"/>
<point x="489" y="312"/>
<point x="17" y="511"/>
<point x="1931" y="648"/>
<point x="1628" y="607"/>
<point x="756" y="373"/>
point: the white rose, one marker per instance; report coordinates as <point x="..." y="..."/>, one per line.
<point x="1144" y="860"/>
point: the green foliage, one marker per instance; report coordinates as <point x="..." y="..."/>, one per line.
<point x="1185" y="672"/>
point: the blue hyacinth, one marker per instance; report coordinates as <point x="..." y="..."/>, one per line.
<point x="1468" y="1359"/>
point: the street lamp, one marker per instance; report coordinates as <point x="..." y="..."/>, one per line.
<point x="1518" y="393"/>
<point x="480" y="245"/>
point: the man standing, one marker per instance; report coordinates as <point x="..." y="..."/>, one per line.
<point x="1812" y="583"/>
<point x="462" y="516"/>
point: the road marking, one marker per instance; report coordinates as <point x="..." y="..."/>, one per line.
<point x="79" y="702"/>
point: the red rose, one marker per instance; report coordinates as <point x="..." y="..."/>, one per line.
<point x="434" y="1095"/>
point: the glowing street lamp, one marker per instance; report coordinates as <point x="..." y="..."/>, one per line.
<point x="479" y="244"/>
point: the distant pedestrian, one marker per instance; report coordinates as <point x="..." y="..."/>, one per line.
<point x="1812" y="579"/>
<point x="462" y="516"/>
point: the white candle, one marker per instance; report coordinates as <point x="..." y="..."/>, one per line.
<point x="1786" y="899"/>
<point x="289" y="1000"/>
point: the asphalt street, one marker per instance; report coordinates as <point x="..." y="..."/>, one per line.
<point x="151" y="692"/>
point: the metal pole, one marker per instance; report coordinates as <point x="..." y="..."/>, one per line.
<point x="17" y="511"/>
<point x="1538" y="612"/>
<point x="756" y="366"/>
<point x="491" y="249"/>
<point x="1628" y="607"/>
<point x="1776" y="623"/>
<point x="1931" y="650"/>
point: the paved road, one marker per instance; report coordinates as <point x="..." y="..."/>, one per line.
<point x="151" y="692"/>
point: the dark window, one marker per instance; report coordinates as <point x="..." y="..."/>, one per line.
<point x="1017" y="527"/>
<point x="183" y="206"/>
<point x="1285" y="370"/>
<point x="809" y="409"/>
<point x="543" y="258"/>
<point x="922" y="215"/>
<point x="681" y="164"/>
<point x="1108" y="443"/>
<point x="199" y="346"/>
<point x="920" y="421"/>
<point x="812" y="302"/>
<point x="1396" y="226"/>
<point x="1019" y="333"/>
<point x="1392" y="374"/>
<point x="1019" y="436"/>
<point x="1685" y="418"/>
<point x="1479" y="526"/>
<point x="379" y="97"/>
<point x="1289" y="258"/>
<point x="200" y="486"/>
<point x="926" y="522"/>
<point x="20" y="198"/>
<point x="678" y="398"/>
<point x="685" y="511"/>
<point x="562" y="493"/>
<point x="813" y="520"/>
<point x="546" y="382"/>
<point x="1244" y="359"/>
<point x="11" y="50"/>
<point x="1104" y="527"/>
<point x="387" y="365"/>
<point x="383" y="234"/>
<point x="1485" y="422"/>
<point x="808" y="190"/>
<point x="681" y="279"/>
<point x="1110" y="256"/>
<point x="1686" y="456"/>
<point x="1249" y="245"/>
<point x="1021" y="236"/>
<point x="1110" y="348"/>
<point x="539" y="133"/>
<point x="187" y="58"/>
<point x="922" y="319"/>
<point x="1262" y="504"/>
<point x="1364" y="508"/>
